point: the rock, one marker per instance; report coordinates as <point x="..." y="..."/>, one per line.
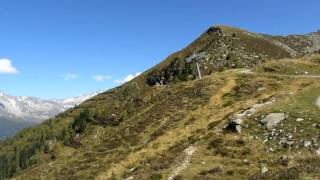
<point x="246" y="161"/>
<point x="217" y="30"/>
<point x="286" y="142"/>
<point x="290" y="136"/>
<point x="299" y="120"/>
<point x="50" y="145"/>
<point x="272" y="120"/>
<point x="317" y="103"/>
<point x="307" y="143"/>
<point x="234" y="125"/>
<point x="238" y="128"/>
<point x="133" y="169"/>
<point x="264" y="169"/>
<point x="284" y="160"/>
<point x="314" y="140"/>
<point x="238" y="121"/>
<point x="318" y="152"/>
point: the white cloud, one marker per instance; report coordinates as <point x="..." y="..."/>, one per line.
<point x="127" y="79"/>
<point x="6" y="67"/>
<point x="100" y="77"/>
<point x="70" y="76"/>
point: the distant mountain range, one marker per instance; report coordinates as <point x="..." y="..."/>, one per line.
<point x="18" y="112"/>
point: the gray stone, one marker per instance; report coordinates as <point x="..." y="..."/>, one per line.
<point x="246" y="161"/>
<point x="299" y="120"/>
<point x="264" y="169"/>
<point x="273" y="119"/>
<point x="284" y="157"/>
<point x="238" y="128"/>
<point x="234" y="125"/>
<point x="237" y="121"/>
<point x="286" y="141"/>
<point x="307" y="143"/>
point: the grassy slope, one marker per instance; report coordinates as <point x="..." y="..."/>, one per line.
<point x="309" y="65"/>
<point x="151" y="144"/>
<point x="154" y="125"/>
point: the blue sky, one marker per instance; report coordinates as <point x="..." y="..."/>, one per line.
<point x="59" y="48"/>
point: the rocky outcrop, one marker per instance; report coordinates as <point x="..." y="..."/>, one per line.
<point x="221" y="48"/>
<point x="272" y="120"/>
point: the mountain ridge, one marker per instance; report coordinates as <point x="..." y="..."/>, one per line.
<point x="228" y="47"/>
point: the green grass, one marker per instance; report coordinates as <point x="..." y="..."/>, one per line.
<point x="309" y="65"/>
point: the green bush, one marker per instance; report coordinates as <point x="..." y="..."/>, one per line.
<point x="80" y="122"/>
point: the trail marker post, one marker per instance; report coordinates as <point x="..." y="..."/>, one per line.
<point x="195" y="57"/>
<point x="198" y="70"/>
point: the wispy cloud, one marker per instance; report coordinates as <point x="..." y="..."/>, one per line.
<point x="100" y="78"/>
<point x="127" y="78"/>
<point x="6" y="67"/>
<point x="70" y="76"/>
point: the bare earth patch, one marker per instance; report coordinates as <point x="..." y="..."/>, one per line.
<point x="184" y="164"/>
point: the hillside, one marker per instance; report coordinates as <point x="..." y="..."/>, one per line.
<point x="253" y="115"/>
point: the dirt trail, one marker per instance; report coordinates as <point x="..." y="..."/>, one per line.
<point x="217" y="98"/>
<point x="177" y="134"/>
<point x="185" y="162"/>
<point x="215" y="101"/>
<point x="249" y="71"/>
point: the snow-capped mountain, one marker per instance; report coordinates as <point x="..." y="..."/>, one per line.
<point x="28" y="108"/>
<point x="71" y="102"/>
<point x="23" y="111"/>
<point x="36" y="110"/>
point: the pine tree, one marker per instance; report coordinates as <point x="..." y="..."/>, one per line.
<point x="80" y="122"/>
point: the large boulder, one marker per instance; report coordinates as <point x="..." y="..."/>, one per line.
<point x="273" y="119"/>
